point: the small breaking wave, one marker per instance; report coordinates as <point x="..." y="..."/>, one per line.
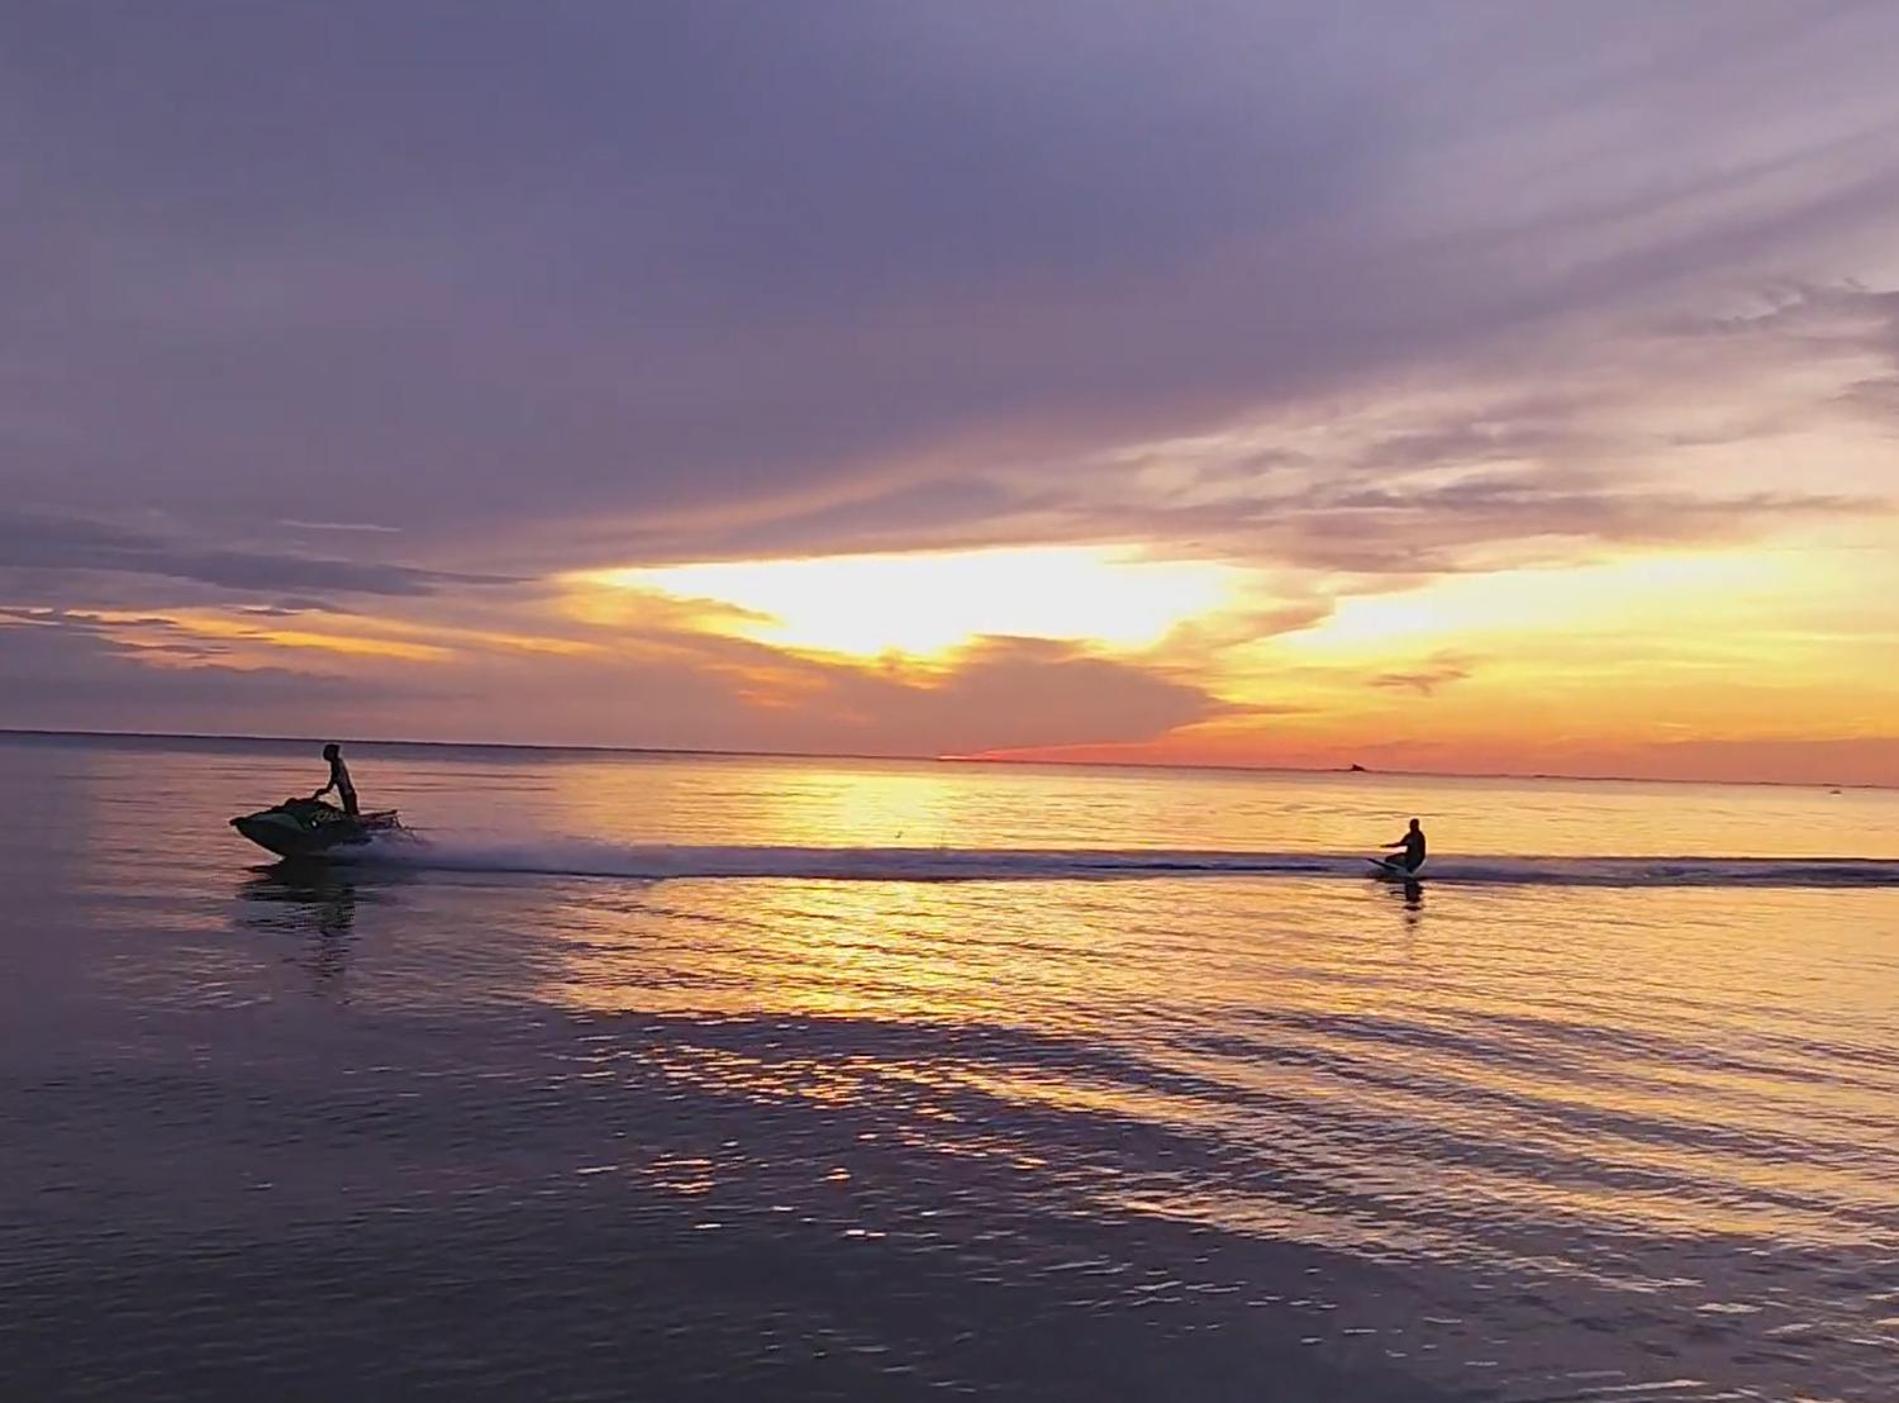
<point x="581" y="858"/>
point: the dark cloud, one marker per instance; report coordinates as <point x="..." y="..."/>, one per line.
<point x="663" y="685"/>
<point x="879" y="519"/>
<point x="995" y="693"/>
<point x="39" y="542"/>
<point x="1014" y="692"/>
<point x="1545" y="457"/>
<point x="1339" y="523"/>
<point x="1436" y="529"/>
<point x="67" y="672"/>
<point x="470" y="268"/>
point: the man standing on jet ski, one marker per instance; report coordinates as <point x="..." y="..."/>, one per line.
<point x="339" y="780"/>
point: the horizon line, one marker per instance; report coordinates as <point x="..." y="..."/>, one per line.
<point x="938" y="759"/>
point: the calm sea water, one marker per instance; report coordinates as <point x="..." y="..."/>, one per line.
<point x="674" y="1078"/>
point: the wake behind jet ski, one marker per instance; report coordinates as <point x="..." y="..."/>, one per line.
<point x="312" y="828"/>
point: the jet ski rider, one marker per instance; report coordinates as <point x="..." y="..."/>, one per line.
<point x="339" y="780"/>
<point x="1413" y="845"/>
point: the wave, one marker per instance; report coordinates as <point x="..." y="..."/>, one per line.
<point x="580" y="858"/>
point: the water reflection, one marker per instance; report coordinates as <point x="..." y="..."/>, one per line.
<point x="1411" y="893"/>
<point x="825" y="803"/>
<point x="316" y="901"/>
<point x="1634" y="1130"/>
<point x="315" y="898"/>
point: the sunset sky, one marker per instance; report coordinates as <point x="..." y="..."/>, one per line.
<point x="1446" y="386"/>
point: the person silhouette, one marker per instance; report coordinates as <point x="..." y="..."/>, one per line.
<point x="1413" y="845"/>
<point x="339" y="780"/>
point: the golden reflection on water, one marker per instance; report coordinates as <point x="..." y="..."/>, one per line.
<point x="823" y="803"/>
<point x="1663" y="1038"/>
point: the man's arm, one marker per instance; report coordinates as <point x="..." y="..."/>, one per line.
<point x="325" y="789"/>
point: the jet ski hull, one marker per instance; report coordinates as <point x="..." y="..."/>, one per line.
<point x="303" y="828"/>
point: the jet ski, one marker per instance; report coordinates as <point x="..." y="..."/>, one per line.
<point x="312" y="828"/>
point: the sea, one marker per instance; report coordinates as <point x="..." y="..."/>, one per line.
<point x="688" y="1077"/>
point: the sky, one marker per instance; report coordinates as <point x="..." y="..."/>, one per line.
<point x="1432" y="386"/>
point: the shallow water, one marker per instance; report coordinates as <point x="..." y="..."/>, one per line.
<point x="1607" y="1108"/>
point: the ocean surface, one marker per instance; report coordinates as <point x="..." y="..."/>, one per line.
<point x="677" y="1077"/>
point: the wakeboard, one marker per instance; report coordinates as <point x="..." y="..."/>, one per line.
<point x="1385" y="867"/>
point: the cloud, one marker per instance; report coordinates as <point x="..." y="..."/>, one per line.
<point x="1014" y="692"/>
<point x="994" y="693"/>
<point x="369" y="526"/>
<point x="1553" y="456"/>
<point x="490" y="276"/>
<point x="1642" y="431"/>
<point x="72" y="673"/>
<point x="661" y="685"/>
<point x="289" y="607"/>
<point x="1436" y="529"/>
<point x="52" y="543"/>
<point x="462" y="299"/>
<point x="1440" y="671"/>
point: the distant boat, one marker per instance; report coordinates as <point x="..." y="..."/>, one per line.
<point x="1359" y="770"/>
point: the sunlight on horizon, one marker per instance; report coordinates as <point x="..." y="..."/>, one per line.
<point x="928" y="603"/>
